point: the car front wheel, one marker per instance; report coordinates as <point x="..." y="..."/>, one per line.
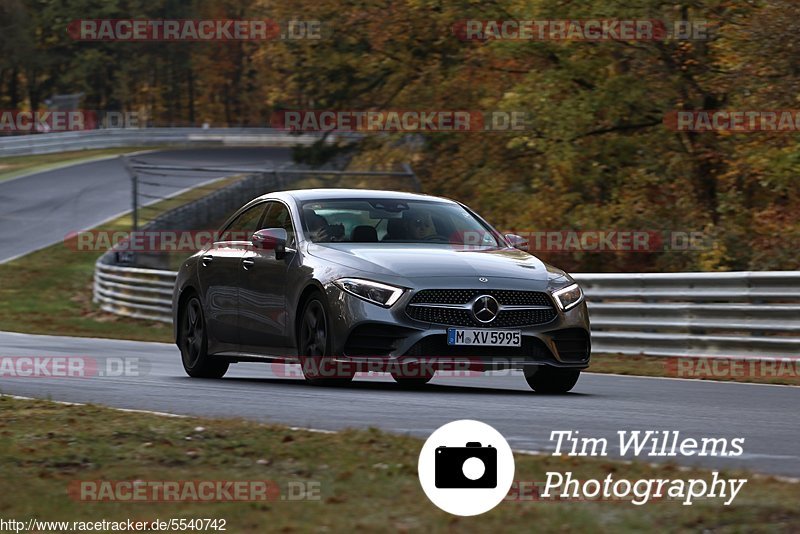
<point x="413" y="375"/>
<point x="551" y="380"/>
<point x="314" y="345"/>
<point x="193" y="343"/>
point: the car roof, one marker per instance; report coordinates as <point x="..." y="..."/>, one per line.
<point x="305" y="195"/>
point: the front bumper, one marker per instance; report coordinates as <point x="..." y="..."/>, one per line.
<point x="367" y="333"/>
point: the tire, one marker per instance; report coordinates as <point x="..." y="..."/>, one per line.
<point x="413" y="376"/>
<point x="193" y="342"/>
<point x="314" y="347"/>
<point x="552" y="380"/>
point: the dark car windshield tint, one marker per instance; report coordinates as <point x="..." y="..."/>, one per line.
<point x="392" y="221"/>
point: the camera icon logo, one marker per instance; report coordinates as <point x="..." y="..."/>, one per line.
<point x="472" y="466"/>
<point x="464" y="476"/>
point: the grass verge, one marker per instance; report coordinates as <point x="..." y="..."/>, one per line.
<point x="366" y="479"/>
<point x="50" y="292"/>
<point x="767" y="371"/>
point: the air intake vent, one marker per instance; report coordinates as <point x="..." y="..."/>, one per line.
<point x="573" y="344"/>
<point x="375" y="339"/>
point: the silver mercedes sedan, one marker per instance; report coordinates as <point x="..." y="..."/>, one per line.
<point x="344" y="281"/>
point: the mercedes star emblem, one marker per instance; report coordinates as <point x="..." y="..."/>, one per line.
<point x="485" y="309"/>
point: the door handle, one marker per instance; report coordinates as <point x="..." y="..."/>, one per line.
<point x="207" y="259"/>
<point x="247" y="263"/>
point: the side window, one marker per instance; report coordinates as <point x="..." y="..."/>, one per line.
<point x="245" y="225"/>
<point x="278" y="216"/>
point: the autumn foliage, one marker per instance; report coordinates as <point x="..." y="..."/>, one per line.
<point x="596" y="155"/>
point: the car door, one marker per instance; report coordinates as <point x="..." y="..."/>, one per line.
<point x="219" y="275"/>
<point x="263" y="314"/>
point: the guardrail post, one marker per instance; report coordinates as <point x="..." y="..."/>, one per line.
<point x="134" y="191"/>
<point x="135" y="207"/>
<point x="414" y="178"/>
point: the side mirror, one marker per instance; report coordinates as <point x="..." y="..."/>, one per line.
<point x="271" y="239"/>
<point x="517" y="241"/>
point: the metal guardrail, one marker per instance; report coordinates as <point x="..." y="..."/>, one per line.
<point x="734" y="314"/>
<point x="134" y="292"/>
<point x="740" y="314"/>
<point x="49" y="143"/>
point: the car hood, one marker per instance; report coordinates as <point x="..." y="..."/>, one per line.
<point x="415" y="260"/>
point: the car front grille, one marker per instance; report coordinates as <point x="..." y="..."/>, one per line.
<point x="453" y="307"/>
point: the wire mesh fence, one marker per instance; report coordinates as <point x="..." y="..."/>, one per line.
<point x="183" y="198"/>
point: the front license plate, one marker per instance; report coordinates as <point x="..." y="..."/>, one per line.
<point x="493" y="338"/>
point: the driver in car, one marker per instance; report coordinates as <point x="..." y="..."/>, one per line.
<point x="419" y="225"/>
<point x="319" y="229"/>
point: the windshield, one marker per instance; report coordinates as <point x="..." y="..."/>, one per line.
<point x="393" y="221"/>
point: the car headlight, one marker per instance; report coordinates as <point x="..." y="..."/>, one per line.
<point x="374" y="292"/>
<point x="568" y="297"/>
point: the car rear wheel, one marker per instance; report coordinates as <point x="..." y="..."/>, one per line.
<point x="193" y="343"/>
<point x="314" y="345"/>
<point x="552" y="380"/>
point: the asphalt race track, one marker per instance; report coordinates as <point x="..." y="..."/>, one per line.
<point x="41" y="209"/>
<point x="766" y="416"/>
